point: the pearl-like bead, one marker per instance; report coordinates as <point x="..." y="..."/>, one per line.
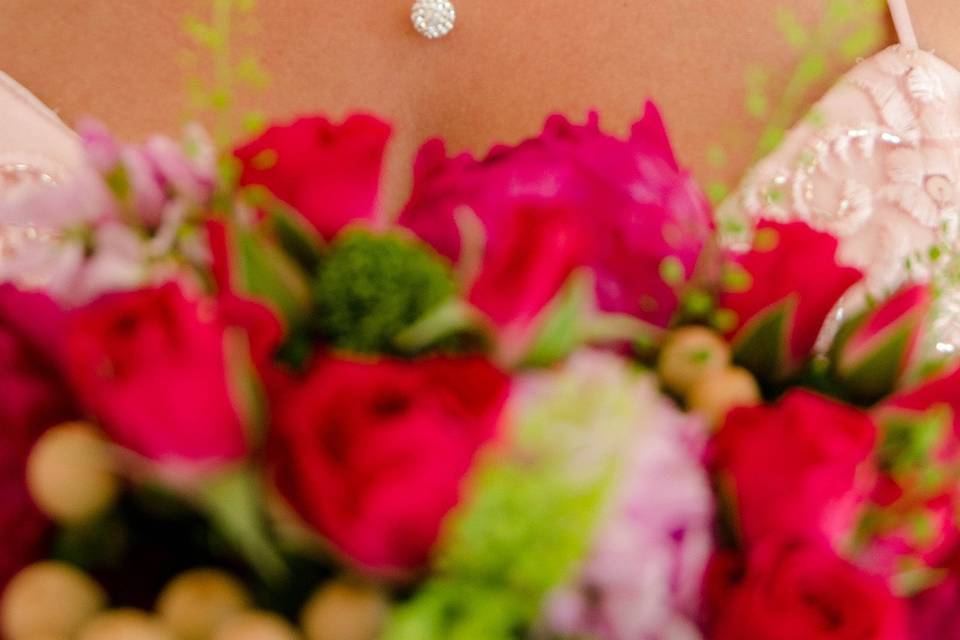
<point x="433" y="18"/>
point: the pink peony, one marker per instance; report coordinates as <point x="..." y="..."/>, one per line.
<point x="629" y="202"/>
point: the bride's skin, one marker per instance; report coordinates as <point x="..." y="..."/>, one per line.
<point x="507" y="65"/>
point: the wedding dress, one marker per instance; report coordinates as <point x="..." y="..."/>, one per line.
<point x="35" y="145"/>
<point x="876" y="163"/>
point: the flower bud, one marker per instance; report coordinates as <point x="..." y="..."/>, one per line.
<point x="48" y="599"/>
<point x="717" y="393"/>
<point x="256" y="625"/>
<point x="342" y="611"/>
<point x="125" y="624"/>
<point x="197" y="602"/>
<point x="689" y="354"/>
<point x="70" y="473"/>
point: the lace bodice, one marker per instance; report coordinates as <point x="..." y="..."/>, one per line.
<point x="35" y="145"/>
<point x="36" y="148"/>
<point x="877" y="163"/>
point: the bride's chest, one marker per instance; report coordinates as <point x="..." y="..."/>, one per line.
<point x="506" y="66"/>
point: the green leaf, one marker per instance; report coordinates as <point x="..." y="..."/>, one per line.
<point x="560" y="331"/>
<point x="876" y="374"/>
<point x="792" y="28"/>
<point x="762" y="346"/>
<point x="264" y="271"/>
<point x="232" y="500"/>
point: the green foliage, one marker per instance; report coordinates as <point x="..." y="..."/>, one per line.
<point x="847" y="30"/>
<point x="370" y="287"/>
<point x="218" y="75"/>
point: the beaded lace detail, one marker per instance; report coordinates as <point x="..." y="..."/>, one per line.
<point x="877" y="163"/>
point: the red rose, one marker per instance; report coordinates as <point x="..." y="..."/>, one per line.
<point x="329" y="173"/>
<point x="794" y="283"/>
<point x="151" y="367"/>
<point x="917" y="498"/>
<point x="798" y="468"/>
<point x="634" y="206"/>
<point x="933" y="614"/>
<point x="32" y="397"/>
<point x="372" y="454"/>
<point x="803" y="591"/>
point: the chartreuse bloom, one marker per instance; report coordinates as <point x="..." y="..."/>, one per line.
<point x="532" y="505"/>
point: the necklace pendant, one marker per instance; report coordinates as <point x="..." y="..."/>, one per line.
<point x="433" y="18"/>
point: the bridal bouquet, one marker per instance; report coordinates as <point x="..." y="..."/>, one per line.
<point x="242" y="402"/>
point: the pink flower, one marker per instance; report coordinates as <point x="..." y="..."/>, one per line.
<point x="33" y="397"/>
<point x="642" y="576"/>
<point x="151" y="366"/>
<point x="328" y="172"/>
<point x="801" y="591"/>
<point x="631" y="204"/>
<point x="372" y="454"/>
<point x="800" y="468"/>
<point x="794" y="282"/>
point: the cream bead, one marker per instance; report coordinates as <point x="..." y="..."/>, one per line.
<point x="125" y="624"/>
<point x="197" y="602"/>
<point x="342" y="611"/>
<point x="715" y="394"/>
<point x="690" y="353"/>
<point x="48" y="599"/>
<point x="70" y="473"/>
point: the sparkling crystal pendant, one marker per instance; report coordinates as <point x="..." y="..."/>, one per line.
<point x="433" y="18"/>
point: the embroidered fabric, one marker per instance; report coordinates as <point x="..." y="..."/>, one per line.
<point x="36" y="149"/>
<point x="876" y="162"/>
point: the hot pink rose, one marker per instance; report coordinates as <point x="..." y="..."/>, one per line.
<point x="798" y="468"/>
<point x="32" y="397"/>
<point x="372" y="454"/>
<point x="329" y="172"/>
<point x="632" y="205"/>
<point x="151" y="366"/>
<point x="795" y="281"/>
<point x="802" y="591"/>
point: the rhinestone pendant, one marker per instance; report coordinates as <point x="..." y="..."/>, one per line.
<point x="433" y="18"/>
